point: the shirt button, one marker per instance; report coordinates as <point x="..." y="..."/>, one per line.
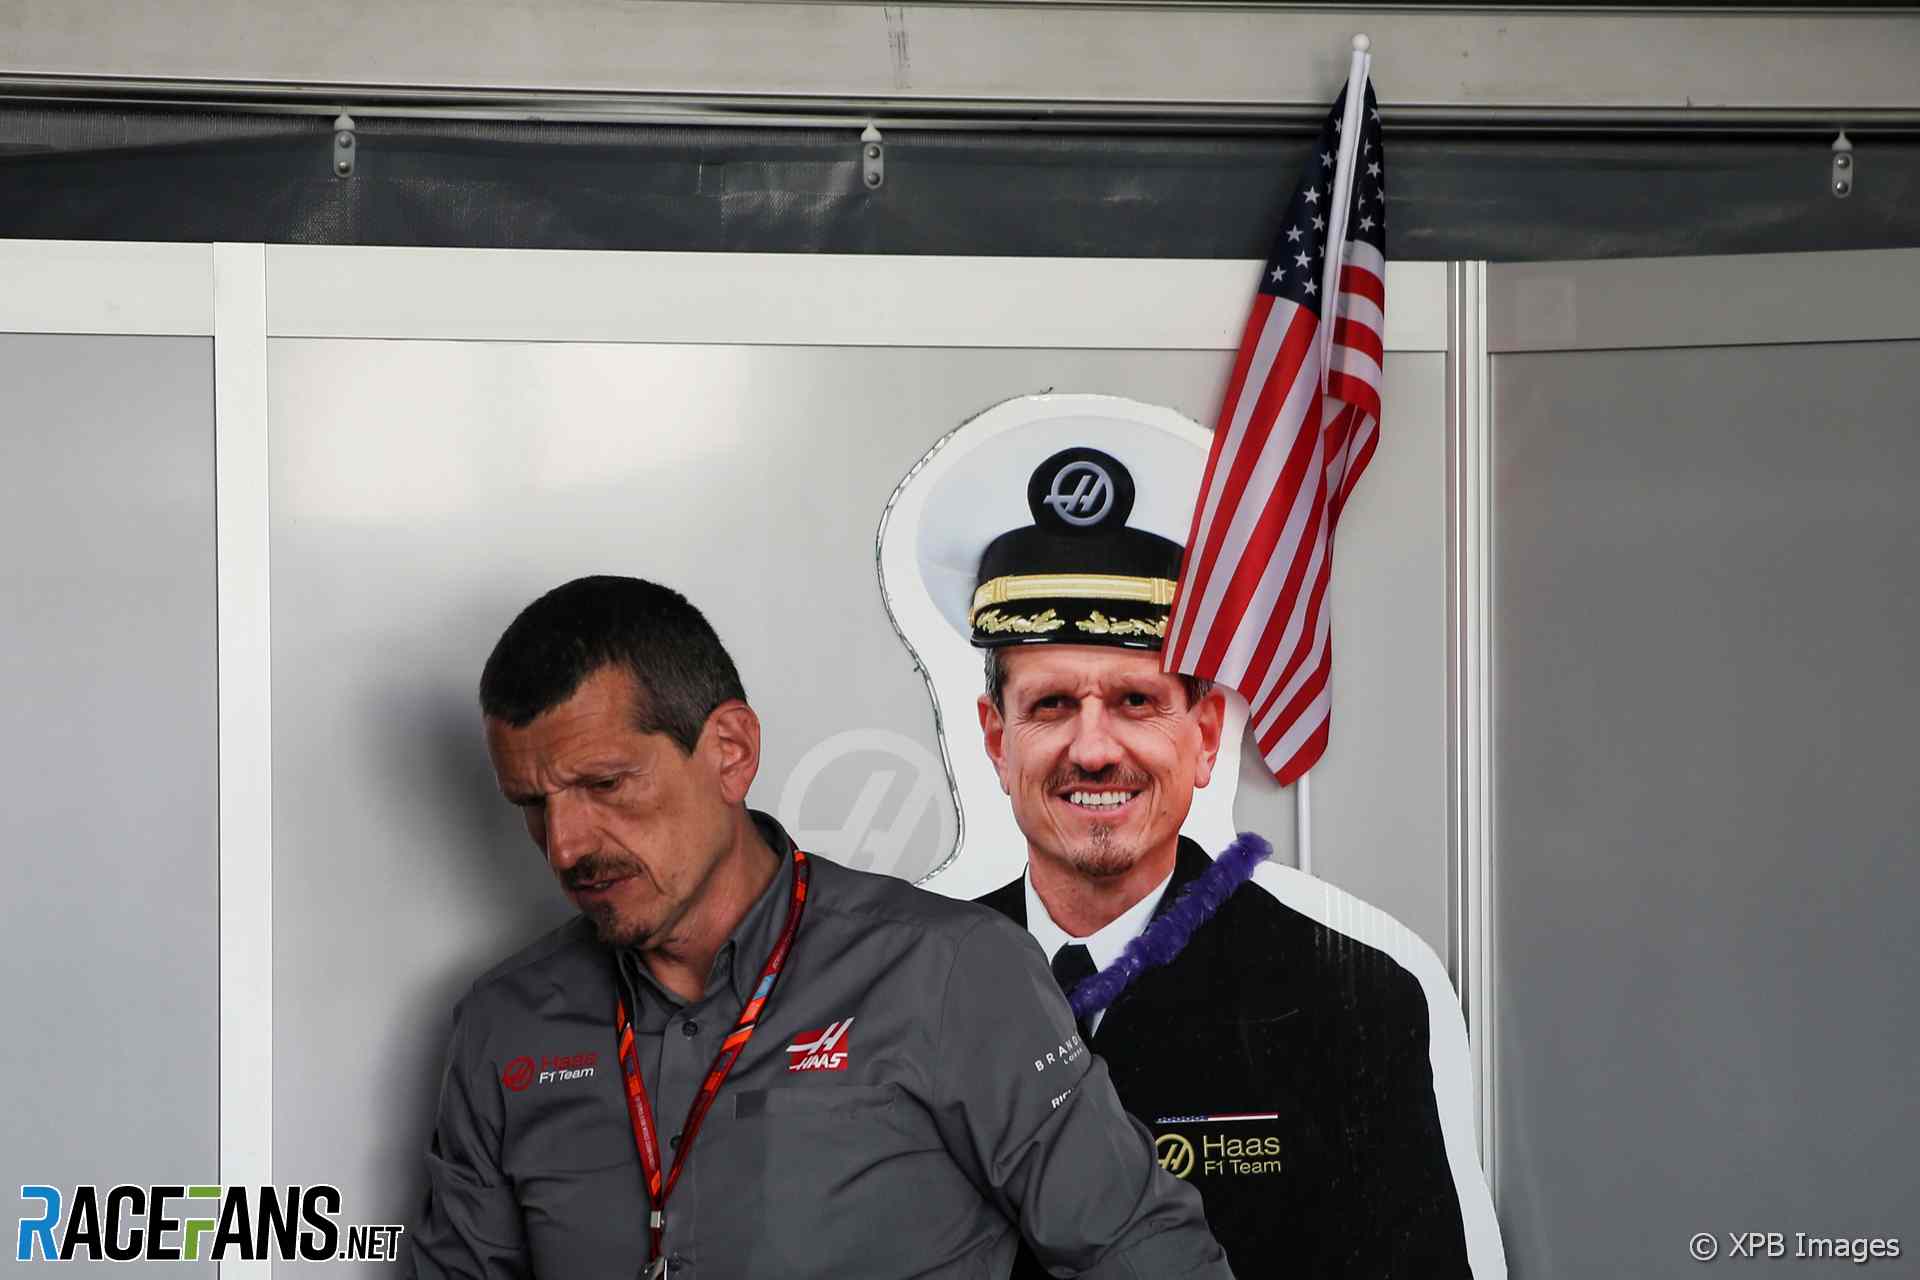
<point x="674" y="1141"/>
<point x="689" y="1029"/>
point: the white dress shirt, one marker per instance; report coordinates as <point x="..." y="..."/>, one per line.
<point x="1107" y="942"/>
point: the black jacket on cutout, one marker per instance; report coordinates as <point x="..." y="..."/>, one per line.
<point x="1267" y="1011"/>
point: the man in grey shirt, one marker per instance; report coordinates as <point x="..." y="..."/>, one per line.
<point x="743" y="1061"/>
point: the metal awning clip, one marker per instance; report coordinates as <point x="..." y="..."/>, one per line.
<point x="345" y="143"/>
<point x="1842" y="173"/>
<point x="873" y="158"/>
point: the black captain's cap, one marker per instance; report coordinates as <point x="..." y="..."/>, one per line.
<point x="1079" y="574"/>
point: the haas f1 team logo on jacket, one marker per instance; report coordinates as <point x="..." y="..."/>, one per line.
<point x="823" y="1050"/>
<point x="522" y="1071"/>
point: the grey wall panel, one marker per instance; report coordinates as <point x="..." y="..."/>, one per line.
<point x="424" y="491"/>
<point x="1380" y="792"/>
<point x="799" y="56"/>
<point x="109" y="923"/>
<point x="1843" y="296"/>
<point x="1706" y="689"/>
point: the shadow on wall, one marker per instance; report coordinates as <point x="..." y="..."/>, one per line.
<point x="508" y="899"/>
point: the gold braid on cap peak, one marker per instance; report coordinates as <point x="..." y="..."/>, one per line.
<point x="993" y="622"/>
<point x="1099" y="624"/>
<point x="1070" y="586"/>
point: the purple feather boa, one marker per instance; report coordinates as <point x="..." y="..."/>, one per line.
<point x="1168" y="935"/>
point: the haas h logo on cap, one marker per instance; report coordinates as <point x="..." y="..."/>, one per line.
<point x="1080" y="489"/>
<point x="1090" y="498"/>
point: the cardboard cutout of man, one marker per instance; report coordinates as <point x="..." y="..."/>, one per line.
<point x="1286" y="1067"/>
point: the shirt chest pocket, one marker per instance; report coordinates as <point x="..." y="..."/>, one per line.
<point x="842" y="1131"/>
<point x="837" y="1158"/>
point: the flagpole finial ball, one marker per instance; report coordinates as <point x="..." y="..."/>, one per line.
<point x="1361" y="44"/>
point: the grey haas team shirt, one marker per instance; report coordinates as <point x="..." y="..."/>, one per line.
<point x="914" y="1097"/>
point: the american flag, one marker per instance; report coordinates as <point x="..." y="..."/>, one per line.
<point x="1251" y="610"/>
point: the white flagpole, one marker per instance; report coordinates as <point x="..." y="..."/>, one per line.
<point x="1303" y="823"/>
<point x="1350" y="124"/>
<point x="1351" y="121"/>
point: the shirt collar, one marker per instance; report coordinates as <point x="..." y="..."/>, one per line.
<point x="1109" y="940"/>
<point x="745" y="952"/>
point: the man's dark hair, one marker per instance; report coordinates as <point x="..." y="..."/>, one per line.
<point x="680" y="669"/>
<point x="997" y="678"/>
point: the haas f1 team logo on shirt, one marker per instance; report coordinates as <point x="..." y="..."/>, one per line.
<point x="823" y="1050"/>
<point x="523" y="1071"/>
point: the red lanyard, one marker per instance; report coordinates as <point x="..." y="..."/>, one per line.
<point x="645" y="1136"/>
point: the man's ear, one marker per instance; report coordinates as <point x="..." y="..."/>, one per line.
<point x="731" y="742"/>
<point x="993" y="728"/>
<point x="1211" y="715"/>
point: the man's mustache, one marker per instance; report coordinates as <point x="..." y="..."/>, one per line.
<point x="598" y="866"/>
<point x="1114" y="777"/>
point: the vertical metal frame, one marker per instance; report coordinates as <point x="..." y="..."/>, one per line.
<point x="245" y="721"/>
<point x="1471" y="950"/>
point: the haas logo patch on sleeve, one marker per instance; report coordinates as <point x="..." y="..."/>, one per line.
<point x="823" y="1050"/>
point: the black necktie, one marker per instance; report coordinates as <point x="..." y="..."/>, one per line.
<point x="1072" y="965"/>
